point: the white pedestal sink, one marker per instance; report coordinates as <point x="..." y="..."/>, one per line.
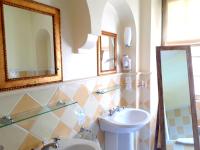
<point x="120" y="127"/>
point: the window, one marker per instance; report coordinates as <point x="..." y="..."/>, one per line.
<point x="196" y="71"/>
<point x="181" y="26"/>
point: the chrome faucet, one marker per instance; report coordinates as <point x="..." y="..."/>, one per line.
<point x="112" y="111"/>
<point x="82" y="129"/>
<point x="53" y="144"/>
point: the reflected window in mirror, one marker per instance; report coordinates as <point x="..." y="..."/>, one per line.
<point x="31" y="45"/>
<point x="106" y="53"/>
<point x="195" y="51"/>
<point x="176" y="98"/>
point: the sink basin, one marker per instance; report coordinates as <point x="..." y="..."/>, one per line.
<point x="125" y="121"/>
<point x="78" y="144"/>
<point x="120" y="127"/>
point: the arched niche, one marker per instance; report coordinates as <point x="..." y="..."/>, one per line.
<point x="80" y="24"/>
<point x="85" y="17"/>
<point x="115" y="17"/>
<point x="82" y="19"/>
<point x="44" y="51"/>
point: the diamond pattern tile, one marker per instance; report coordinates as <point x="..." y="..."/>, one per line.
<point x="61" y="131"/>
<point x="44" y="126"/>
<point x="26" y="103"/>
<point x="8" y="102"/>
<point x="43" y="96"/>
<point x="30" y="142"/>
<point x="70" y="89"/>
<point x="81" y="95"/>
<point x="12" y="137"/>
<point x="91" y="106"/>
<point x="27" y="124"/>
<point x="69" y="117"/>
<point x="64" y="122"/>
<point x="98" y="96"/>
<point x="59" y="95"/>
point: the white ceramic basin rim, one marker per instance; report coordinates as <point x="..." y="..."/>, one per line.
<point x="78" y="144"/>
<point x="126" y="121"/>
<point x="131" y="117"/>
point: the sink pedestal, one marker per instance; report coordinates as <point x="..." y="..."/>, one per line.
<point x="117" y="141"/>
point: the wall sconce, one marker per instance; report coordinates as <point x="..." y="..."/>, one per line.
<point x="127" y="36"/>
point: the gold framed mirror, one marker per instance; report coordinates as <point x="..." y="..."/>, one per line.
<point x="107" y="53"/>
<point x="177" y="122"/>
<point x="30" y="44"/>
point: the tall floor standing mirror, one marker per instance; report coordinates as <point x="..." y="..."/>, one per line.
<point x="177" y="119"/>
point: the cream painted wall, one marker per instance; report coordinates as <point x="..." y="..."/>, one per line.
<point x="75" y="65"/>
<point x="155" y="41"/>
<point x="110" y="23"/>
<point x="96" y="6"/>
<point x="110" y="20"/>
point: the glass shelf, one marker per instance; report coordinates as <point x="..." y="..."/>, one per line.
<point x="106" y="90"/>
<point x="12" y="119"/>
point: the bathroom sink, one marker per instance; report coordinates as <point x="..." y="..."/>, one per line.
<point x="78" y="144"/>
<point x="125" y="121"/>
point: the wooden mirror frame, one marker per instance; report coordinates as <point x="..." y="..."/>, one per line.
<point x="9" y="84"/>
<point x="99" y="55"/>
<point x="160" y="125"/>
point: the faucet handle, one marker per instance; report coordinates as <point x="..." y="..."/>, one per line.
<point x="82" y="129"/>
<point x="56" y="139"/>
<point x="110" y="112"/>
<point x="118" y="108"/>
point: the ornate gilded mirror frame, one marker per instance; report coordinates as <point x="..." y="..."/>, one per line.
<point x="160" y="137"/>
<point x="5" y="82"/>
<point x="101" y="51"/>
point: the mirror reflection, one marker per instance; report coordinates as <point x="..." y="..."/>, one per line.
<point x="29" y="43"/>
<point x="176" y="97"/>
<point x="107" y="53"/>
<point x="177" y="121"/>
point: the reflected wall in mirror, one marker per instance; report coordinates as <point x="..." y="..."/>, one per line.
<point x="176" y="98"/>
<point x="106" y="53"/>
<point x="29" y="40"/>
<point x="30" y="44"/>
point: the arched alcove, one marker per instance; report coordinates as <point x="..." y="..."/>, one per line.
<point x="116" y="16"/>
<point x="79" y="18"/>
<point x="44" y="51"/>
